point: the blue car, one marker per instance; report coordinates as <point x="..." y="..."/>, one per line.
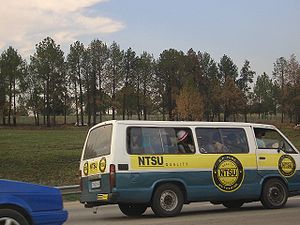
<point x="30" y="204"/>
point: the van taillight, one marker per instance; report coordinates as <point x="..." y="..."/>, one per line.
<point x="112" y="176"/>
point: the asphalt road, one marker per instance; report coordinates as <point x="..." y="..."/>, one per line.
<point x="192" y="214"/>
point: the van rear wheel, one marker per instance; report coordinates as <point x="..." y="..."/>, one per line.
<point x="132" y="209"/>
<point x="167" y="200"/>
<point x="274" y="194"/>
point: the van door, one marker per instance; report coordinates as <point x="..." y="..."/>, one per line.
<point x="277" y="156"/>
<point x="226" y="152"/>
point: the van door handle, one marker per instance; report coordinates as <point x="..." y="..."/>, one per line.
<point x="262" y="158"/>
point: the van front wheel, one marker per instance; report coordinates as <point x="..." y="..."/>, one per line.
<point x="274" y="194"/>
<point x="167" y="200"/>
<point x="132" y="209"/>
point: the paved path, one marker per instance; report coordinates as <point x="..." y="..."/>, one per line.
<point x="195" y="213"/>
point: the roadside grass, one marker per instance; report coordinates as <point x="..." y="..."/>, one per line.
<point x="40" y="155"/>
<point x="51" y="156"/>
<point x="293" y="136"/>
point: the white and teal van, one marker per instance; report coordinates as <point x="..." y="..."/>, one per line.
<point x="163" y="165"/>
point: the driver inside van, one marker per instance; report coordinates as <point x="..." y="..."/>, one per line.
<point x="259" y="138"/>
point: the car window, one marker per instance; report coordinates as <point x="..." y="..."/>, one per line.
<point x="162" y="140"/>
<point x="222" y="140"/>
<point x="271" y="139"/>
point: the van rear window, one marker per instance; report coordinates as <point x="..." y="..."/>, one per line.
<point x="99" y="142"/>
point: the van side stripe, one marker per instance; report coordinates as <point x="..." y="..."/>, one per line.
<point x="197" y="161"/>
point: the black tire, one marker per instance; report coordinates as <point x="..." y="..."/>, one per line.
<point x="233" y="204"/>
<point x="12" y="217"/>
<point x="167" y="200"/>
<point x="132" y="209"/>
<point x="274" y="194"/>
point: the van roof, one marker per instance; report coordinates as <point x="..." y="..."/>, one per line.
<point x="184" y="123"/>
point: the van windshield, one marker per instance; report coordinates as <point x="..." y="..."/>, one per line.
<point x="99" y="142"/>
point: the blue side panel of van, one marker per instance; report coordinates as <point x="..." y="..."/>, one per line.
<point x="199" y="186"/>
<point x="133" y="187"/>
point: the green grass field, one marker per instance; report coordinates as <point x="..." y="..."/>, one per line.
<point x="39" y="155"/>
<point x="51" y="156"/>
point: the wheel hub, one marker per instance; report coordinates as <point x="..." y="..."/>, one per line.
<point x="276" y="195"/>
<point x="168" y="200"/>
<point x="8" y="221"/>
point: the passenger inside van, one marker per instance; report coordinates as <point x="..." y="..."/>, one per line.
<point x="185" y="142"/>
<point x="217" y="145"/>
<point x="231" y="142"/>
<point x="136" y="146"/>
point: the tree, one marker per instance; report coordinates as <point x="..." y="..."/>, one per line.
<point x="189" y="103"/>
<point x="194" y="70"/>
<point x="170" y="73"/>
<point x="209" y="85"/>
<point x="230" y="93"/>
<point x="146" y="70"/>
<point x="114" y="74"/>
<point x="231" y="97"/>
<point x="130" y="64"/>
<point x="99" y="55"/>
<point x="264" y="94"/>
<point x="48" y="63"/>
<point x="3" y="91"/>
<point x="227" y="69"/>
<point x="293" y="71"/>
<point x="296" y="103"/>
<point x="32" y="88"/>
<point x="292" y="88"/>
<point x="75" y="65"/>
<point x="243" y="83"/>
<point x="12" y="69"/>
<point x="87" y="82"/>
<point x="280" y="75"/>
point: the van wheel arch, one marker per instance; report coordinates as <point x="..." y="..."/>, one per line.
<point x="273" y="177"/>
<point x="177" y="183"/>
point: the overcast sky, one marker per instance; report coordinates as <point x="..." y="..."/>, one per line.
<point x="257" y="30"/>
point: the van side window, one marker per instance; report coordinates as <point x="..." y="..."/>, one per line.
<point x="271" y="139"/>
<point x="166" y="140"/>
<point x="222" y="140"/>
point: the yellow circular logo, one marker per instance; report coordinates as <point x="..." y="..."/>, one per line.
<point x="86" y="168"/>
<point x="102" y="165"/>
<point x="287" y="166"/>
<point x="228" y="173"/>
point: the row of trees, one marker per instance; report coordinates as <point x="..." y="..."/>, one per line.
<point x="98" y="79"/>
